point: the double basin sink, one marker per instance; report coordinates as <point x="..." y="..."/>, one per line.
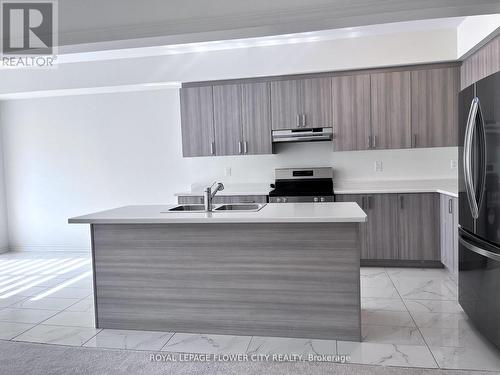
<point x="237" y="207"/>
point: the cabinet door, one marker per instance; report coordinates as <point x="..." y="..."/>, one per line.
<point x="455" y="237"/>
<point x="286" y="105"/>
<point x="434" y="107"/>
<point x="351" y="112"/>
<point x="197" y="124"/>
<point x="227" y="119"/>
<point x="418" y="217"/>
<point x="316" y="98"/>
<point x="446" y="235"/>
<point x="390" y="110"/>
<point x="256" y="118"/>
<point x="382" y="226"/>
<point x="361" y="201"/>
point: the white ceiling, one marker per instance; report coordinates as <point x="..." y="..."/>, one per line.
<point x="111" y="24"/>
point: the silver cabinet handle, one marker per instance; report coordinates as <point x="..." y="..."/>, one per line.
<point x="414" y="140"/>
<point x="239" y="147"/>
<point x="478" y="250"/>
<point x="402" y="202"/>
<point x="450" y="206"/>
<point x="212" y="148"/>
<point x="374" y="141"/>
<point x="369" y="141"/>
<point x="304" y="120"/>
<point x="299" y="121"/>
<point x="370" y="205"/>
<point x="363" y="205"/>
<point x="245" y="147"/>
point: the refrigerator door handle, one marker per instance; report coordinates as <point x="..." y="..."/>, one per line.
<point x="469" y="134"/>
<point x="483" y="156"/>
<point x="478" y="250"/>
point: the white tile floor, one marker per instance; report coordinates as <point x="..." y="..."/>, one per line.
<point x="410" y="317"/>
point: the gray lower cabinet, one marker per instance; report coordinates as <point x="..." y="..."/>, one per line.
<point x="189" y="199"/>
<point x="449" y="233"/>
<point x="390" y="110"/>
<point x="242" y="119"/>
<point x="401" y="228"/>
<point x="418" y="227"/>
<point x="434" y="107"/>
<point x="379" y="236"/>
<point x="301" y="103"/>
<point x="351" y="112"/>
<point x="198" y="135"/>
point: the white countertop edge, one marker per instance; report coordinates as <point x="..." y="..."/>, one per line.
<point x="395" y="191"/>
<point x="226" y="220"/>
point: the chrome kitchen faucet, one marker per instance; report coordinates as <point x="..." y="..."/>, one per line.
<point x="209" y="195"/>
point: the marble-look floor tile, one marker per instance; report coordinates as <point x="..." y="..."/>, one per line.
<point x="387" y="354"/>
<point x="84" y="305"/>
<point x="440" y="320"/>
<point x="389" y="304"/>
<point x="10" y="330"/>
<point x="389" y="292"/>
<point x="433" y="306"/>
<point x="392" y="335"/>
<point x="424" y="288"/>
<point x="72" y="319"/>
<point x="47" y="303"/>
<point x="32" y="316"/>
<point x="283" y="345"/>
<point x="424" y="273"/>
<point x="122" y="339"/>
<point x="33" y="291"/>
<point x="387" y="318"/>
<point x="464" y="337"/>
<point x="208" y="344"/>
<point x="470" y="358"/>
<point x="6" y="302"/>
<point x="372" y="271"/>
<point x="71" y="293"/>
<point x="74" y="336"/>
<point x="376" y="280"/>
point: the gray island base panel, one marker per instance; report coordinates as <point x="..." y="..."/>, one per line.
<point x="284" y="279"/>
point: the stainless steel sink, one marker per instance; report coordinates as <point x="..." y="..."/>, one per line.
<point x="188" y="208"/>
<point x="240" y="207"/>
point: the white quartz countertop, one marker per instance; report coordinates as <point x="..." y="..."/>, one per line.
<point x="337" y="212"/>
<point x="445" y="186"/>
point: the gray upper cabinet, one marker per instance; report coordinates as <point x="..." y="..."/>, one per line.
<point x="256" y="118"/>
<point x="301" y="103"/>
<point x="434" y="107"/>
<point x="351" y="112"/>
<point x="227" y="119"/>
<point x="198" y="136"/>
<point x="241" y="119"/>
<point x="390" y="110"/>
<point x="419" y="226"/>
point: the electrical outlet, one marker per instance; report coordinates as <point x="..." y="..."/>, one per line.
<point x="453" y="164"/>
<point x="227" y="171"/>
<point x="379" y="166"/>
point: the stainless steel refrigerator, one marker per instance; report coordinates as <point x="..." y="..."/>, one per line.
<point x="479" y="205"/>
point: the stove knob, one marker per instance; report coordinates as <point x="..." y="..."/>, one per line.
<point x="323" y="199"/>
<point x="316" y="199"/>
<point x="278" y="200"/>
<point x="284" y="200"/>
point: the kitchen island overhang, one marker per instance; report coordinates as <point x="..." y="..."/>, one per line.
<point x="289" y="270"/>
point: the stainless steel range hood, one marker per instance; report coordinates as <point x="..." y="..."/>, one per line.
<point x="302" y="135"/>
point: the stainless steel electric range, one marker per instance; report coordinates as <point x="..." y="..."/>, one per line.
<point x="302" y="185"/>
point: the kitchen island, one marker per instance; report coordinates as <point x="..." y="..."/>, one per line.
<point x="289" y="270"/>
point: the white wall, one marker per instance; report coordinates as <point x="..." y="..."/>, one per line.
<point x="68" y="156"/>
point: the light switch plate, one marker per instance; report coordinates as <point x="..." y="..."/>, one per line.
<point x="227" y="171"/>
<point x="453" y="164"/>
<point x="379" y="167"/>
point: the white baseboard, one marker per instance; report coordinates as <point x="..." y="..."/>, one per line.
<point x="50" y="248"/>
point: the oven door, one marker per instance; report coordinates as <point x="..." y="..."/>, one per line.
<point x="479" y="283"/>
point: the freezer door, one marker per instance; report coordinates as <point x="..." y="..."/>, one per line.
<point x="479" y="284"/>
<point x="488" y="221"/>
